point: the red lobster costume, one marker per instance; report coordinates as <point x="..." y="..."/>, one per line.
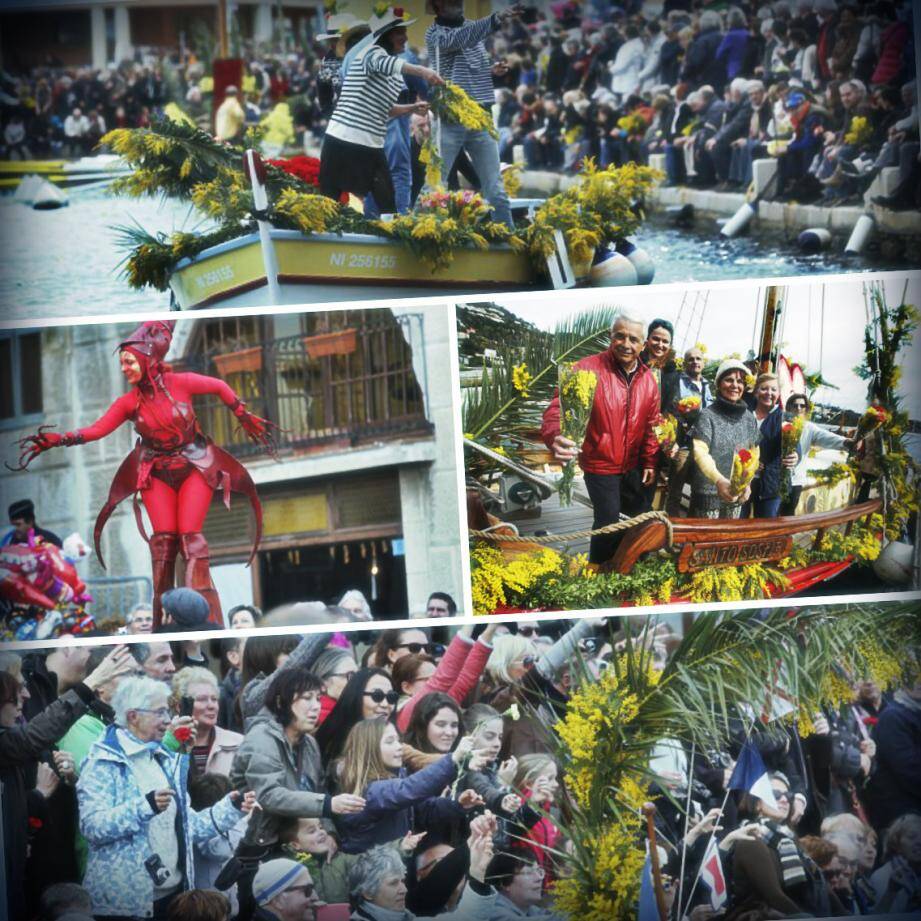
<point x="174" y="467"/>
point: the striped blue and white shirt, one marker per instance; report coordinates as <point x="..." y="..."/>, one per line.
<point x="459" y="54"/>
<point x="370" y="90"/>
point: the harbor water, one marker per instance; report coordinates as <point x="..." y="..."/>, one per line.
<point x="67" y="262"/>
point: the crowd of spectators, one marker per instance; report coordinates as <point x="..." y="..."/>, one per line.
<point x="387" y="775"/>
<point x="825" y="88"/>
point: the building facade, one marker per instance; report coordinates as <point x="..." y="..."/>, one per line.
<point x="364" y="493"/>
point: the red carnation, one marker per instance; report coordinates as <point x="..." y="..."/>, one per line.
<point x="35" y="822"/>
<point x="786" y="427"/>
<point x="745" y="455"/>
<point x="183" y="734"/>
<point x="870" y="720"/>
<point x="398" y="12"/>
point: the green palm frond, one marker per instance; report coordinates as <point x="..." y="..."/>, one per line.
<point x="496" y="412"/>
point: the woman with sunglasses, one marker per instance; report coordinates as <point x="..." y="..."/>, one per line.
<point x="813" y="436"/>
<point x="768" y="865"/>
<point x="458" y="672"/>
<point x="335" y="667"/>
<point x="396" y="802"/>
<point x="541" y="685"/>
<point x="392" y="645"/>
<point x="368" y="694"/>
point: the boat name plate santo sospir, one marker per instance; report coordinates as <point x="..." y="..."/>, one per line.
<point x="733" y="552"/>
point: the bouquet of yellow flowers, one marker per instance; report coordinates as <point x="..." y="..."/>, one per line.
<point x="665" y="428"/>
<point x="870" y="421"/>
<point x="744" y="467"/>
<point x="577" y="395"/>
<point x="632" y="125"/>
<point x="451" y="103"/>
<point x="790" y="433"/>
<point x="860" y="132"/>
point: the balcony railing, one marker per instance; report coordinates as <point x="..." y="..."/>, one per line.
<point x="342" y="387"/>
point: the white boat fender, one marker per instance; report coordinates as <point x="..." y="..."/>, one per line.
<point x="611" y="269"/>
<point x="894" y="564"/>
<point x="49" y="197"/>
<point x="641" y="260"/>
<point x="814" y="239"/>
<point x="859" y="235"/>
<point x="28" y="186"/>
<point x="739" y="221"/>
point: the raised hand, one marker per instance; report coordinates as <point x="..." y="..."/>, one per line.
<point x="470" y="799"/>
<point x="507" y="771"/>
<point x="117" y="663"/>
<point x="258" y="429"/>
<point x="33" y="445"/>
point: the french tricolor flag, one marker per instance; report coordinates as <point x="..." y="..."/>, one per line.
<point x="711" y="872"/>
<point x="751" y="775"/>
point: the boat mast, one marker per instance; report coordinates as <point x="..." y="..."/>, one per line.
<point x="771" y="314"/>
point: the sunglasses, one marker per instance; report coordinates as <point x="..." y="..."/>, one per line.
<point x="433" y="649"/>
<point x="781" y="794"/>
<point x="379" y="696"/>
<point x="528" y="661"/>
<point x="347" y="675"/>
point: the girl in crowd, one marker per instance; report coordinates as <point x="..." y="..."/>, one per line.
<point x="724" y="427"/>
<point x="394" y="802"/>
<point x="368" y="694"/>
<point x="433" y="731"/>
<point x="214" y="748"/>
<point x="410" y="674"/>
<point x="334" y="667"/>
<point x="537" y="781"/>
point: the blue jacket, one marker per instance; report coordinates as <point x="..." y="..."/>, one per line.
<point x="767" y="486"/>
<point x="394" y="807"/>
<point x="893" y="789"/>
<point x="114" y="817"/>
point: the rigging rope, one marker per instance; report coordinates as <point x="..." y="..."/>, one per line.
<point x="614" y="528"/>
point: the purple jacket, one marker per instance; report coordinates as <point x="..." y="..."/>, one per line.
<point x="732" y="51"/>
<point x="394" y="807"/>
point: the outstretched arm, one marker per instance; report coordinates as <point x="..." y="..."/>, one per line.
<point x="44" y="439"/>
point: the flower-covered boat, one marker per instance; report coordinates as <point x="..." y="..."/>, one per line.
<point x="848" y="513"/>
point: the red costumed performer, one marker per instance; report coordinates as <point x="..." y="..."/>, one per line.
<point x="174" y="467"/>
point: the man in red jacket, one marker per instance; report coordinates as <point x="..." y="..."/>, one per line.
<point x="618" y="456"/>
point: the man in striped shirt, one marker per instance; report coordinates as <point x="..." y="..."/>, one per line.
<point x="456" y="49"/>
<point x="352" y="158"/>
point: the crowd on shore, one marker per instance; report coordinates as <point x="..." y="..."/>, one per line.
<point x="394" y="774"/>
<point x="825" y="88"/>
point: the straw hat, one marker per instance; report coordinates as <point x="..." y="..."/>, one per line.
<point x="393" y="17"/>
<point x="341" y="25"/>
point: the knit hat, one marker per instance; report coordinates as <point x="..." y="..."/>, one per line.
<point x="186" y="607"/>
<point x="731" y="364"/>
<point x="274" y="877"/>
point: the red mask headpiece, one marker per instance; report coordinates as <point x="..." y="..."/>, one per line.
<point x="151" y="340"/>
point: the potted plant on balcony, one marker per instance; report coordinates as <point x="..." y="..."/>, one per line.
<point x="340" y="342"/>
<point x="238" y="361"/>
